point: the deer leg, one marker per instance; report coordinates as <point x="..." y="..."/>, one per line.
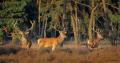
<point x="40" y="45"/>
<point x="90" y="47"/>
<point x="94" y="44"/>
<point x="53" y="47"/>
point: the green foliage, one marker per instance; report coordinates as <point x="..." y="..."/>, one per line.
<point x="11" y="11"/>
<point x="114" y="17"/>
<point x="53" y="10"/>
<point x="1" y="34"/>
<point x="25" y="10"/>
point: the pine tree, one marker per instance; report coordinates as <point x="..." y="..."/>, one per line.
<point x="10" y="11"/>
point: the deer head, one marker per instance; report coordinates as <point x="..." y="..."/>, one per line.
<point x="24" y="32"/>
<point x="62" y="33"/>
<point x="98" y="35"/>
<point x="94" y="42"/>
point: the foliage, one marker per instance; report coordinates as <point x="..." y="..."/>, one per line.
<point x="1" y="34"/>
<point x="11" y="11"/>
<point x="52" y="11"/>
<point x="114" y="17"/>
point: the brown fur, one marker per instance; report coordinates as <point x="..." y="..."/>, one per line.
<point x="51" y="42"/>
<point x="94" y="42"/>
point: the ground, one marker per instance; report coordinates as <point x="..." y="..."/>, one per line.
<point x="81" y="54"/>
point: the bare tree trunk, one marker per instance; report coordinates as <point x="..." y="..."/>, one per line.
<point x="119" y="7"/>
<point x="38" y="3"/>
<point x="91" y="21"/>
<point x="74" y="29"/>
<point x="45" y="26"/>
<point x="93" y="17"/>
<point x="38" y="16"/>
<point x="74" y="23"/>
<point x="104" y="6"/>
<point x="64" y="14"/>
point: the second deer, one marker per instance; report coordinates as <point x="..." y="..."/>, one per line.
<point x="94" y="42"/>
<point x="24" y="42"/>
<point x="52" y="42"/>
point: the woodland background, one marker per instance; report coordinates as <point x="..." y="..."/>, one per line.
<point x="78" y="17"/>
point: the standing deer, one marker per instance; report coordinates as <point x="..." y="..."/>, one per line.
<point x="24" y="42"/>
<point x="52" y="42"/>
<point x="94" y="42"/>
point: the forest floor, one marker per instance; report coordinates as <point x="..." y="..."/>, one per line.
<point x="110" y="54"/>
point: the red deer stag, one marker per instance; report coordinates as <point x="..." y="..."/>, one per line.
<point x="24" y="42"/>
<point x="52" y="42"/>
<point x="94" y="42"/>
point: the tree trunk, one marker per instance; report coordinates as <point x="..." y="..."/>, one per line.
<point x="91" y="21"/>
<point x="45" y="26"/>
<point x="64" y="14"/>
<point x="38" y="16"/>
<point x="73" y="19"/>
<point x="74" y="23"/>
<point x="104" y="6"/>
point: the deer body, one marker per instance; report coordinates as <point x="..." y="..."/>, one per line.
<point x="51" y="42"/>
<point x="94" y="42"/>
<point x="24" y="40"/>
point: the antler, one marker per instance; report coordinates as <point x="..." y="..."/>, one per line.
<point x="15" y="26"/>
<point x="32" y="26"/>
<point x="97" y="30"/>
<point x="55" y="28"/>
<point x="64" y="29"/>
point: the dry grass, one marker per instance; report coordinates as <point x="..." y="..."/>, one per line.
<point x="61" y="55"/>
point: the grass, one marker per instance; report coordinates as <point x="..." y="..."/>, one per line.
<point x="61" y="55"/>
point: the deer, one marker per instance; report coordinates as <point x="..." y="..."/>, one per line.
<point x="94" y="42"/>
<point x="52" y="42"/>
<point x="24" y="42"/>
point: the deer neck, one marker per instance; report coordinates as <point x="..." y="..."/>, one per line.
<point x="61" y="37"/>
<point x="23" y="37"/>
<point x="99" y="37"/>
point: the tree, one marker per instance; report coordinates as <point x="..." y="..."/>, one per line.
<point x="74" y="20"/>
<point x="11" y="11"/>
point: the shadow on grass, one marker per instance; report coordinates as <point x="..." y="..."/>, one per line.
<point x="8" y="51"/>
